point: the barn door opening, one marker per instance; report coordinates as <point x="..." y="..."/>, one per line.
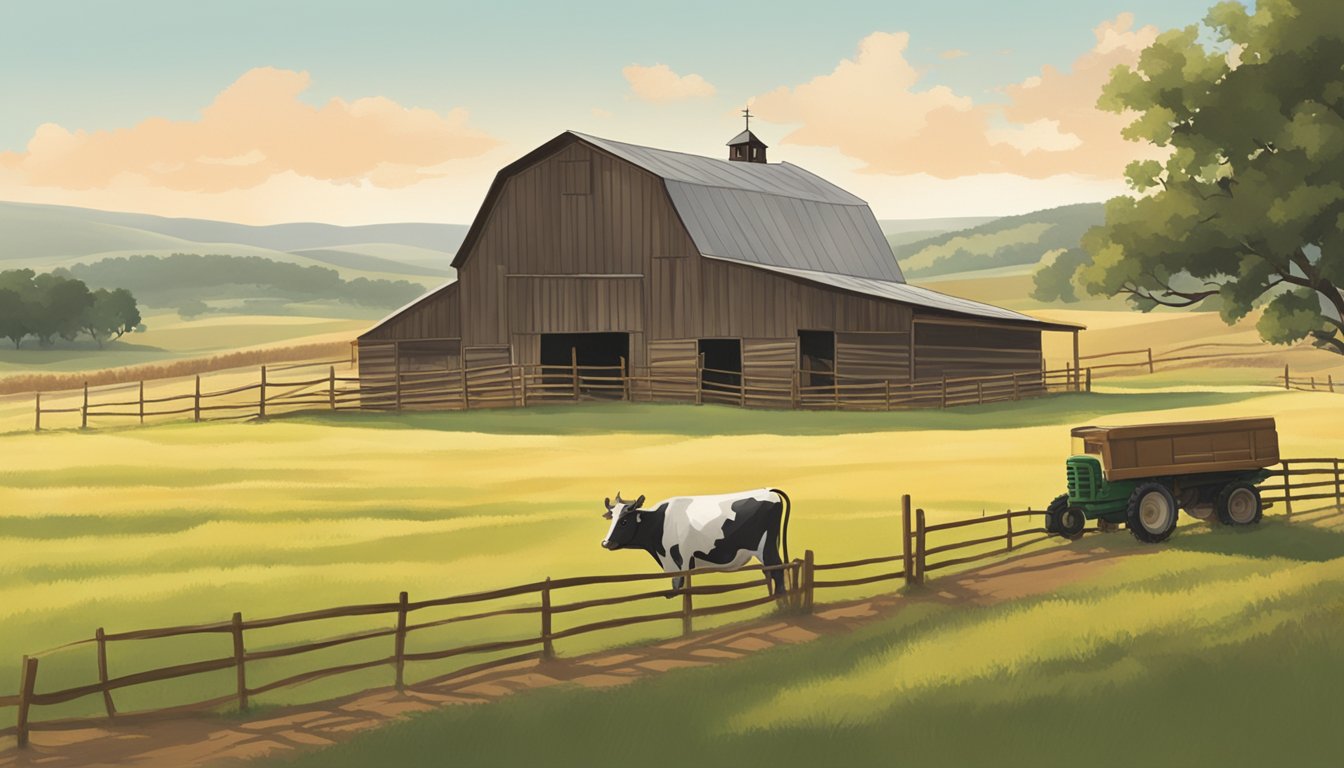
<point x="721" y="377"/>
<point x="599" y="357"/>
<point x="816" y="358"/>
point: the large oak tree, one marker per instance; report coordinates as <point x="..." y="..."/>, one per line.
<point x="1248" y="207"/>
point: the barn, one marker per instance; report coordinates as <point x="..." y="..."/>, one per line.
<point x="677" y="276"/>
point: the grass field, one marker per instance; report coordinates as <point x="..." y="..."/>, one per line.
<point x="128" y="528"/>
<point x="1225" y="648"/>
<point x="170" y="337"/>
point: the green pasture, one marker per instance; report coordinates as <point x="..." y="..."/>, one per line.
<point x="1224" y="648"/>
<point x="130" y="528"/>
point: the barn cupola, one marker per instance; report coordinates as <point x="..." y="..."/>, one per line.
<point x="745" y="147"/>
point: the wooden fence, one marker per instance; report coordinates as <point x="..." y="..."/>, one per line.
<point x="522" y="385"/>
<point x="1309" y="383"/>
<point x="1130" y="361"/>
<point x="921" y="553"/>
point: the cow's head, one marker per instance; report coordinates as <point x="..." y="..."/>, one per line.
<point x="624" y="517"/>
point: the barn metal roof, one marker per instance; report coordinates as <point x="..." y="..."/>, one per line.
<point x="766" y="214"/>
<point x="921" y="297"/>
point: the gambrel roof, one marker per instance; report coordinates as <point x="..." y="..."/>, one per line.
<point x="766" y="214"/>
<point x="772" y="216"/>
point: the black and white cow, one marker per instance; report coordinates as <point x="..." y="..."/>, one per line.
<point x="717" y="532"/>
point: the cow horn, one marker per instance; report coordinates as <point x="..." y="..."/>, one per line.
<point x="638" y="502"/>
<point x="607" y="502"/>
<point x="619" y="500"/>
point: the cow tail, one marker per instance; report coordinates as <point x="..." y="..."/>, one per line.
<point x="784" y="524"/>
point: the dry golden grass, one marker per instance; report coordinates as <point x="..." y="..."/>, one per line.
<point x="51" y="382"/>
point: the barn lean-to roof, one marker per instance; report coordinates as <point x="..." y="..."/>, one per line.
<point x="772" y="216"/>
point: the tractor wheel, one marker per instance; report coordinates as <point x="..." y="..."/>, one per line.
<point x="1055" y="511"/>
<point x="1239" y="504"/>
<point x="1071" y="523"/>
<point x="1151" y="516"/>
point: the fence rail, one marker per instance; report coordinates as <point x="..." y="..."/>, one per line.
<point x="498" y="386"/>
<point x="921" y="553"/>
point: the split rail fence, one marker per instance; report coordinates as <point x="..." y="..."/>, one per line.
<point x="924" y="549"/>
<point x="1131" y="361"/>
<point x="504" y="386"/>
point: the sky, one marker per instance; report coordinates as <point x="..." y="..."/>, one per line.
<point x="353" y="113"/>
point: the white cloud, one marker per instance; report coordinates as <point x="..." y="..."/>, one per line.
<point x="659" y="84"/>
<point x="875" y="108"/>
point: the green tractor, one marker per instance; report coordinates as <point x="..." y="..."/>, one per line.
<point x="1141" y="475"/>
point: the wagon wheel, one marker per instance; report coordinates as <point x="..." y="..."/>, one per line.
<point x="1239" y="504"/>
<point x="1151" y="515"/>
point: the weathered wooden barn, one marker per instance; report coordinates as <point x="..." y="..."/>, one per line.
<point x="673" y="267"/>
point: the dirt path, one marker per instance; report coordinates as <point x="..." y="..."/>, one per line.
<point x="194" y="742"/>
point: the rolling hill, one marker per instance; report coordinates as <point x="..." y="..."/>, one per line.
<point x="1011" y="241"/>
<point x="46" y="236"/>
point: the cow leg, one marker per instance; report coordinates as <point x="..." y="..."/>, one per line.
<point x="770" y="556"/>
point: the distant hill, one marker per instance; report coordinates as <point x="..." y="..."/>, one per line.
<point x="1011" y="241"/>
<point x="904" y="231"/>
<point x="45" y="236"/>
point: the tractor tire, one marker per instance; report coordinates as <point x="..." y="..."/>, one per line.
<point x="1071" y="523"/>
<point x="1151" y="515"/>
<point x="1239" y="504"/>
<point x="1055" y="511"/>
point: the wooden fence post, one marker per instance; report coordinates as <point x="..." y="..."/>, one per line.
<point x="37" y="413"/>
<point x="466" y="397"/>
<point x="522" y="381"/>
<point x="1089" y="379"/>
<point x="907" y="556"/>
<point x="101" y="637"/>
<point x="142" y="402"/>
<point x="700" y="379"/>
<point x="887" y="393"/>
<point x="196" y="401"/>
<point x="1330" y="379"/>
<point x="1285" y="376"/>
<point x="979" y="392"/>
<point x="238" y="659"/>
<point x="399" y="646"/>
<point x="1339" y="498"/>
<point x="1313" y="383"/>
<point x="809" y="580"/>
<point x="944" y="401"/>
<point x="920" y="535"/>
<point x="1287" y="489"/>
<point x="84" y="409"/>
<point x="625" y="382"/>
<point x="1010" y="525"/>
<point x="547" y="644"/>
<point x="26" y="689"/>
<point x="261" y="400"/>
<point x="686" y="607"/>
<point x="331" y="387"/>
<point x="1151" y="369"/>
<point x="574" y="370"/>
<point x="793" y="389"/>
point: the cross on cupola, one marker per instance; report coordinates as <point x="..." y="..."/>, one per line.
<point x="745" y="147"/>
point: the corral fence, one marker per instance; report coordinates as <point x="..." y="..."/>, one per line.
<point x="279" y="390"/>
<point x="1310" y="383"/>
<point x="924" y="548"/>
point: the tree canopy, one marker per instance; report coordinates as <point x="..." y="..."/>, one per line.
<point x="49" y="305"/>
<point x="1248" y="206"/>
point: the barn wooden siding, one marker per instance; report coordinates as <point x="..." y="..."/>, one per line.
<point x="581" y="242"/>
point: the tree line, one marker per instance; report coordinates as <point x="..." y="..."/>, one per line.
<point x="55" y="305"/>
<point x="184" y="279"/>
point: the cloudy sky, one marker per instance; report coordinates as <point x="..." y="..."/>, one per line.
<point x="350" y="113"/>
